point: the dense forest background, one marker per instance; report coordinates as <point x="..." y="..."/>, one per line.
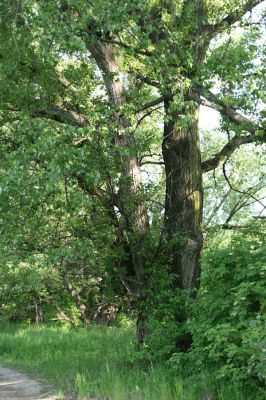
<point x="132" y="175"/>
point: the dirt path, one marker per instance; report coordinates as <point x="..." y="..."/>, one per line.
<point x="17" y="386"/>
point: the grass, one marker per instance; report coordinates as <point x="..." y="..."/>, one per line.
<point x="93" y="362"/>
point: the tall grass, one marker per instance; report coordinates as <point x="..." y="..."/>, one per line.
<point x="93" y="363"/>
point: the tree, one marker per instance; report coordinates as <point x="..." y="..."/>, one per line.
<point x="96" y="78"/>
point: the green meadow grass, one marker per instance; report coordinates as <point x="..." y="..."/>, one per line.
<point x="94" y="363"/>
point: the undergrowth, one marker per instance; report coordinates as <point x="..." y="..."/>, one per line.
<point x="98" y="362"/>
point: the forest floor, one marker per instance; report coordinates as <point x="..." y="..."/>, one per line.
<point x="17" y="386"/>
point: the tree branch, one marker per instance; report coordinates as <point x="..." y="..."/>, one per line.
<point x="230" y="226"/>
<point x="212" y="101"/>
<point x="242" y="202"/>
<point x="155" y="102"/>
<point x="125" y="46"/>
<point x="226" y="152"/>
<point x="66" y="84"/>
<point x="56" y="114"/>
<point x="240" y="191"/>
<point x="232" y="18"/>
<point x="152" y="162"/>
<point x="63" y="116"/>
<point x="217" y="207"/>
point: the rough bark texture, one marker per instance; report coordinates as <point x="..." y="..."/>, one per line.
<point x="183" y="200"/>
<point x="131" y="207"/>
<point x="134" y="212"/>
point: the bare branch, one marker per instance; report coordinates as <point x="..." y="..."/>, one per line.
<point x="212" y="101"/>
<point x="217" y="207"/>
<point x="242" y="202"/>
<point x="145" y="116"/>
<point x="226" y="152"/>
<point x="152" y="162"/>
<point x="240" y="191"/>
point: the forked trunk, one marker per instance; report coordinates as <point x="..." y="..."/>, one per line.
<point x="183" y="200"/>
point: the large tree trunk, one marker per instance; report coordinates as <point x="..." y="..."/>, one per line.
<point x="183" y="199"/>
<point x="132" y="208"/>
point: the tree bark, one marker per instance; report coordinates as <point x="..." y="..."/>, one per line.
<point x="38" y="312"/>
<point x="75" y="297"/>
<point x="131" y="206"/>
<point x="184" y="193"/>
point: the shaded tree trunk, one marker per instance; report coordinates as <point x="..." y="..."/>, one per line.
<point x="183" y="199"/>
<point x="132" y="208"/>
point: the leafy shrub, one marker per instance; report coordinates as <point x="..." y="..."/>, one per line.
<point x="229" y="322"/>
<point x="166" y="312"/>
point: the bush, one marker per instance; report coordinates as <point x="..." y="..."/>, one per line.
<point x="228" y="323"/>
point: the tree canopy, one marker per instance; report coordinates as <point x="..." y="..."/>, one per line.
<point x="103" y="164"/>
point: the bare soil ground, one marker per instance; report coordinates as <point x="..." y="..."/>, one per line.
<point x="17" y="386"/>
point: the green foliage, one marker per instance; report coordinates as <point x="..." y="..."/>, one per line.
<point x="235" y="204"/>
<point x="228" y="321"/>
<point x="77" y="168"/>
<point x="94" y="363"/>
<point x="166" y="310"/>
